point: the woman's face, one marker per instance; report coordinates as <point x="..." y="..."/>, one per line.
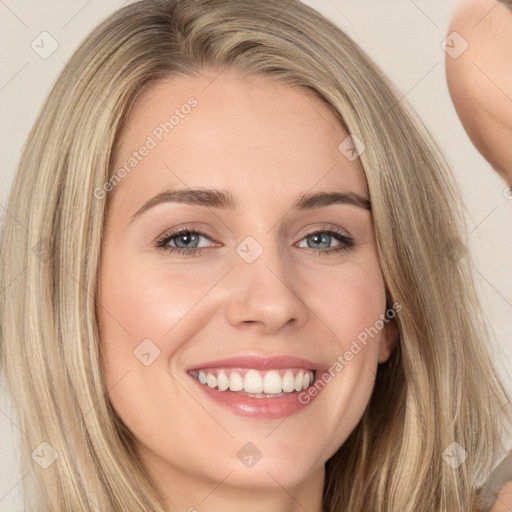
<point x="255" y="269"/>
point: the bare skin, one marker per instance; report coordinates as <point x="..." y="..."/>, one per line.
<point x="480" y="79"/>
<point x="266" y="145"/>
<point x="504" y="501"/>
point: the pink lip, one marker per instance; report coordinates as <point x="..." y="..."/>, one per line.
<point x="259" y="408"/>
<point x="260" y="363"/>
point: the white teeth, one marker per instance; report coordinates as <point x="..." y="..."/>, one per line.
<point x="255" y="383"/>
<point x="222" y="382"/>
<point x="288" y="382"/>
<point x="211" y="380"/>
<point x="236" y="382"/>
<point x="272" y="382"/>
<point x="298" y="381"/>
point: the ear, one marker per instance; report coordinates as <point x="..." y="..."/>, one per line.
<point x="388" y="340"/>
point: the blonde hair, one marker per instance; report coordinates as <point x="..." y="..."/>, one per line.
<point x="438" y="386"/>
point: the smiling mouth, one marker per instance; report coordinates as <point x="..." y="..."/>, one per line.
<point x="256" y="383"/>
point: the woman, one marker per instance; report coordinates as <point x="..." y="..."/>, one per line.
<point x="249" y="286"/>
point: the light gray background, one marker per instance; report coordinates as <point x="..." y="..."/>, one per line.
<point x="403" y="36"/>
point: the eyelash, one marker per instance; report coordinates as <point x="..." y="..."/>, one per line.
<point x="347" y="241"/>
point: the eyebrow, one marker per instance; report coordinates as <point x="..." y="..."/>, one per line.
<point x="217" y="198"/>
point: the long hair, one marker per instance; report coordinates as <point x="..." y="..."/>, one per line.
<point x="438" y="387"/>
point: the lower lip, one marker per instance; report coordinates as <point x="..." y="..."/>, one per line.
<point x="262" y="408"/>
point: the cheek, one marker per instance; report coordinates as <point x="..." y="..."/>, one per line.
<point x="350" y="305"/>
<point x="138" y="302"/>
<point x="349" y="301"/>
<point x="146" y="313"/>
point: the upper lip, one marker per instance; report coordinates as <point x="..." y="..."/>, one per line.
<point x="259" y="363"/>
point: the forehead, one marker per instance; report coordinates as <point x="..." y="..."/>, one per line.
<point x="252" y="133"/>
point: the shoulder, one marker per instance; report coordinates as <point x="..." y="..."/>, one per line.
<point x="496" y="493"/>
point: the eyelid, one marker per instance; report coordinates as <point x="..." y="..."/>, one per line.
<point x="324" y="227"/>
<point x="346" y="241"/>
<point x="193" y="228"/>
<point x="344" y="238"/>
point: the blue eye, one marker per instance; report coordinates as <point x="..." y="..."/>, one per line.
<point x="187" y="242"/>
<point x="320" y="242"/>
<point x="183" y="242"/>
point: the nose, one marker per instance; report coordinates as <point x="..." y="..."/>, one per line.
<point x="264" y="297"/>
